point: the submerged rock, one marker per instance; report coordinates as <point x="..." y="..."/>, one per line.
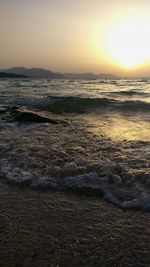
<point x="25" y="115"/>
<point x="33" y="117"/>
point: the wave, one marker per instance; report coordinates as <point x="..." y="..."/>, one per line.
<point x="125" y="198"/>
<point x="88" y="183"/>
<point x="132" y="92"/>
<point x="85" y="105"/>
<point x="79" y="105"/>
<point x="102" y="81"/>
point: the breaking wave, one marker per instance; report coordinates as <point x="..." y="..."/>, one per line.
<point x="88" y="183"/>
<point x="85" y="105"/>
<point x="79" y="105"/>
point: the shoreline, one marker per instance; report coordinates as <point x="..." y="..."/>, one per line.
<point x="82" y="153"/>
<point x="63" y="229"/>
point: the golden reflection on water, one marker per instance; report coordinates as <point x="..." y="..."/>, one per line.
<point x="120" y="128"/>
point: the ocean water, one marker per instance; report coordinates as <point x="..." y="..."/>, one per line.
<point x="104" y="149"/>
<point x="135" y="93"/>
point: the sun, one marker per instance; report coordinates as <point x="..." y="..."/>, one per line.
<point x="128" y="42"/>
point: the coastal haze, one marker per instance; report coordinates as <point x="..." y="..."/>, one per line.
<point x="76" y="36"/>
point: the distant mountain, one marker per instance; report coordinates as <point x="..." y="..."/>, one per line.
<point x="42" y="73"/>
<point x="88" y="76"/>
<point x="10" y="75"/>
<point x="35" y="73"/>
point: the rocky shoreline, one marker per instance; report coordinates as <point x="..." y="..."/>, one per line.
<point x="25" y="115"/>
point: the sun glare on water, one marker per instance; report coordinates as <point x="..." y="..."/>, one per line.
<point x="128" y="42"/>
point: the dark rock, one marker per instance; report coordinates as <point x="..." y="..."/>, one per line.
<point x="32" y="117"/>
<point x="24" y="115"/>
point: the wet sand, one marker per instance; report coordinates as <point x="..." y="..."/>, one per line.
<point x="64" y="229"/>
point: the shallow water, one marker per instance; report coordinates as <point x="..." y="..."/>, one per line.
<point x="105" y="149"/>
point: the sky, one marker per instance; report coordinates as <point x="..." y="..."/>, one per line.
<point x="101" y="36"/>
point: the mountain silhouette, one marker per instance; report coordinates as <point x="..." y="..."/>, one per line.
<point x="35" y="72"/>
<point x="10" y="75"/>
<point x="43" y="73"/>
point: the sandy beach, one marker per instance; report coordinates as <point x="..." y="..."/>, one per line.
<point x="65" y="229"/>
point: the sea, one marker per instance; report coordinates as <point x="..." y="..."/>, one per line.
<point x="103" y="150"/>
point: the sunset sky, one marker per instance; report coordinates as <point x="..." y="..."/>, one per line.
<point x="110" y="36"/>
